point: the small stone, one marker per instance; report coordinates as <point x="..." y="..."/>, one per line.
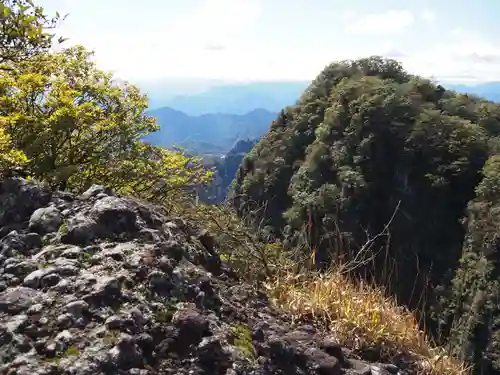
<point x="137" y="315"/>
<point x="158" y="280"/>
<point x="145" y="342"/>
<point x="19" y="268"/>
<point x="115" y="254"/>
<point x="333" y="349"/>
<point x="50" y="349"/>
<point x="65" y="321"/>
<point x="212" y="356"/>
<point x="64" y="338"/>
<point x="77" y="308"/>
<point x="72" y="252"/>
<point x="107" y="287"/>
<point x="114" y="322"/>
<point x="114" y="216"/>
<point x="149" y="235"/>
<point x="50" y="280"/>
<point x="81" y="230"/>
<point x="35" y="309"/>
<point x="45" y="220"/>
<point x="94" y="190"/>
<point x="40" y="347"/>
<point x="324" y="363"/>
<point x="124" y="355"/>
<point x="166" y="264"/>
<point x="34" y="279"/>
<point x="17" y="299"/>
<point x="192" y="326"/>
<point x="63" y="286"/>
<point x="391" y="368"/>
<point x="377" y="370"/>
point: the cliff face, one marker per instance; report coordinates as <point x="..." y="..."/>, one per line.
<point x="226" y="168"/>
<point x="99" y="284"/>
<point x="469" y="310"/>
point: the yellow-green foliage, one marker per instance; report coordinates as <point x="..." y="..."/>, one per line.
<point x="70" y="124"/>
<point x="10" y="158"/>
<point x="71" y="351"/>
<point x="237" y="243"/>
<point x="78" y="127"/>
<point x="63" y="229"/>
<point x="24" y="30"/>
<point x="157" y="174"/>
<point x="111" y="337"/>
<point x="241" y="337"/>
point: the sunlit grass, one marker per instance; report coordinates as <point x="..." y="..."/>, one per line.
<point x="360" y="316"/>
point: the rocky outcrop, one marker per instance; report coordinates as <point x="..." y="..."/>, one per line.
<point x="99" y="284"/>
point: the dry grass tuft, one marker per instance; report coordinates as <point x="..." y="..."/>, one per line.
<point x="360" y="316"/>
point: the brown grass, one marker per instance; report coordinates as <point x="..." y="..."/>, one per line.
<point x="360" y="316"/>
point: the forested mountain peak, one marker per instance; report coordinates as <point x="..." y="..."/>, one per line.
<point x="379" y="166"/>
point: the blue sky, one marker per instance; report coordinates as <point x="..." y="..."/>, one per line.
<point x="283" y="39"/>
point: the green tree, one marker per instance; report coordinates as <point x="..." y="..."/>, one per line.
<point x="78" y="126"/>
<point x="363" y="137"/>
<point x="10" y="158"/>
<point x="23" y="33"/>
<point x="24" y="30"/>
<point x="469" y="313"/>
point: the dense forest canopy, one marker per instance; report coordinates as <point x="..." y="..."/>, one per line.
<point x="368" y="145"/>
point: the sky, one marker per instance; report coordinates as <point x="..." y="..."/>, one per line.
<point x="255" y="40"/>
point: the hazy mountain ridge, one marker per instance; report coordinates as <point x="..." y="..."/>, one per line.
<point x="214" y="97"/>
<point x="196" y="97"/>
<point x="487" y="90"/>
<point x="208" y="133"/>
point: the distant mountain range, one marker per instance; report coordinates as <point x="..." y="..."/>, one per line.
<point x="197" y="97"/>
<point x="222" y="122"/>
<point x="214" y="133"/>
<point x="210" y="117"/>
<point x="214" y="97"/>
<point x="488" y="90"/>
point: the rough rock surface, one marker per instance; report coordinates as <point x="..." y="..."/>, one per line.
<point x="98" y="284"/>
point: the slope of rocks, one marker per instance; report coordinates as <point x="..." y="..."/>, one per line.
<point x="99" y="284"/>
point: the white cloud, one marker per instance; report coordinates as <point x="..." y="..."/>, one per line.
<point x="215" y="47"/>
<point x="461" y="55"/>
<point x="218" y="39"/>
<point x="218" y="21"/>
<point x="349" y="15"/>
<point x="208" y="40"/>
<point x="388" y="22"/>
<point x="428" y="15"/>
